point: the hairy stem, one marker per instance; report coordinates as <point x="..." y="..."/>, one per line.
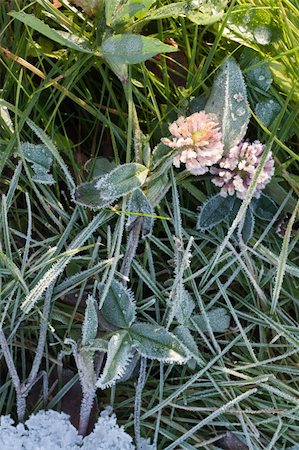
<point x="138" y="399"/>
<point x="131" y="247"/>
<point x="85" y="410"/>
<point x="21" y="406"/>
<point x="21" y="402"/>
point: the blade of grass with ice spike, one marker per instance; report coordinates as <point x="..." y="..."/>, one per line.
<point x="281" y="268"/>
<point x="52" y="274"/>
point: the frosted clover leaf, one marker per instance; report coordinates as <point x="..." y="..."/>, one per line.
<point x="198" y="138"/>
<point x="237" y="168"/>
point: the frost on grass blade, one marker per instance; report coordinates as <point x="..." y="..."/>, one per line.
<point x="214" y="211"/>
<point x="41" y="160"/>
<point x="90" y="324"/>
<point x="155" y="342"/>
<point x="118" y="357"/>
<point x="119" y="307"/>
<point x="228" y="101"/>
<point x="51" y="275"/>
<point x="218" y="318"/>
<point x="132" y="48"/>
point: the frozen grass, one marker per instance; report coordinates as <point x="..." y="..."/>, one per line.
<point x="247" y="382"/>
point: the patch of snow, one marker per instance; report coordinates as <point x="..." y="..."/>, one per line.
<point x="51" y="430"/>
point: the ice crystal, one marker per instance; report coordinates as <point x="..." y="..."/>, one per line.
<point x="198" y="138"/>
<point x="50" y="430"/>
<point x="107" y="435"/>
<point x="238" y="167"/>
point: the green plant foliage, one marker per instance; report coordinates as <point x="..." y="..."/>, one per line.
<point x="87" y="194"/>
<point x="197" y="104"/>
<point x="254" y="24"/>
<point x="132" y="48"/>
<point x="122" y="180"/>
<point x="139" y="203"/>
<point x="185" y="307"/>
<point x="155" y="342"/>
<point x="186" y="338"/>
<point x="90" y="324"/>
<point x="247" y="226"/>
<point x="278" y="193"/>
<point x="104" y="190"/>
<point x="118" y="12"/>
<point x="210" y="11"/>
<point x="97" y="345"/>
<point x="119" y="307"/>
<point x="204" y="12"/>
<point x="256" y="70"/>
<point x="267" y="110"/>
<point x="264" y="207"/>
<point x="158" y="187"/>
<point x="118" y="357"/>
<point x="99" y="166"/>
<point x="240" y="376"/>
<point x="160" y="153"/>
<point x="214" y="211"/>
<point x="218" y="318"/>
<point x="228" y="101"/>
<point x="41" y="159"/>
<point x="63" y="39"/>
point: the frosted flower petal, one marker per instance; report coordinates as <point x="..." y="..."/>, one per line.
<point x="237" y="168"/>
<point x="198" y="137"/>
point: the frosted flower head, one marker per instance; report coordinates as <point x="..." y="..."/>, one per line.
<point x="238" y="167"/>
<point x="198" y="138"/>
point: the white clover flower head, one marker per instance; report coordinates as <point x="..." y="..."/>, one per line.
<point x="237" y="168"/>
<point x="198" y="137"/>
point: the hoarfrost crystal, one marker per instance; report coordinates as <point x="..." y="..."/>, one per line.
<point x="238" y="167"/>
<point x="50" y="430"/>
<point x="198" y="138"/>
